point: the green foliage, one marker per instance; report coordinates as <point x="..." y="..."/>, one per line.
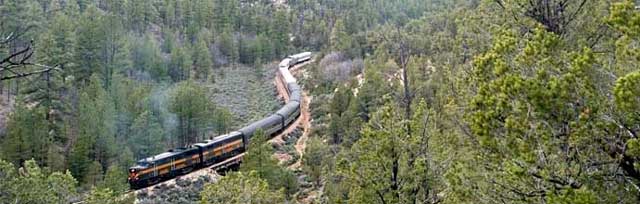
<point x="388" y="164"/>
<point x="228" y="45"/>
<point x="88" y="47"/>
<point x="147" y="130"/>
<point x="202" y="63"/>
<point x="341" y="40"/>
<point x="115" y="179"/>
<point x="27" y="137"/>
<point x="180" y="65"/>
<point x="107" y="196"/>
<point x="140" y="14"/>
<point x="313" y="159"/>
<point x="146" y="57"/>
<point x="625" y="19"/>
<point x="523" y="101"/>
<point x="96" y="130"/>
<point x="344" y="120"/>
<point x="240" y="187"/>
<point x="524" y="117"/>
<point x="259" y="159"/>
<point x="31" y="184"/>
<point x="193" y="109"/>
<point x="580" y="196"/>
<point x="627" y="92"/>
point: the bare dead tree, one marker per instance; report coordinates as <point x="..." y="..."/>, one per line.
<point x="554" y="15"/>
<point x="14" y="65"/>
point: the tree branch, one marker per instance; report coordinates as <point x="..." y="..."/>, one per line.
<point x="20" y="75"/>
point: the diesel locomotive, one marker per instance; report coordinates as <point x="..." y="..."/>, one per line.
<point x="179" y="161"/>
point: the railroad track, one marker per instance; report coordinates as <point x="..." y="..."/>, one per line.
<point x="221" y="166"/>
<point x="291" y="93"/>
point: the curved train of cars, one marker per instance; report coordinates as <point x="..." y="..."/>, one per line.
<point x="180" y="161"/>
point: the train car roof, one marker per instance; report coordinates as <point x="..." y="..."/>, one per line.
<point x="288" y="78"/>
<point x="251" y="128"/>
<point x="217" y="139"/>
<point x="284" y="63"/>
<point x="301" y="55"/>
<point x="160" y="156"/>
<point x="289" y="108"/>
<point x="295" y="96"/>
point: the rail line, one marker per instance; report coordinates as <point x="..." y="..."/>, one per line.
<point x="291" y="95"/>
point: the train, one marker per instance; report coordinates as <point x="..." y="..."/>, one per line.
<point x="180" y="161"/>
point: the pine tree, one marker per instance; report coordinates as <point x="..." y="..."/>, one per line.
<point x="280" y="33"/>
<point x="530" y="123"/>
<point x="96" y="130"/>
<point x="180" y="65"/>
<point x="88" y="48"/>
<point x="241" y="187"/>
<point x="314" y="158"/>
<point x="115" y="179"/>
<point x="202" y="63"/>
<point x="394" y="161"/>
<point x="193" y="108"/>
<point x="56" y="48"/>
<point x="108" y="196"/>
<point x="21" y="17"/>
<point x="115" y="48"/>
<point x="93" y="175"/>
<point x="228" y="46"/>
<point x="147" y="134"/>
<point x="141" y="14"/>
<point x="27" y="137"/>
<point x="146" y="58"/>
<point x="259" y="159"/>
<point x="31" y="184"/>
<point x="627" y="87"/>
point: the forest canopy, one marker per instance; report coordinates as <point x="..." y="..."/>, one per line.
<point x="412" y="101"/>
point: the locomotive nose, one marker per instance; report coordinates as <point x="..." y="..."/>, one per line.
<point x="133" y="174"/>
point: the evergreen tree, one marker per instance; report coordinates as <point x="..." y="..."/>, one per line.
<point x="180" y="65"/>
<point x="340" y="40"/>
<point x="625" y="91"/>
<point x="314" y="157"/>
<point x="394" y="161"/>
<point x="27" y="137"/>
<point x="259" y="160"/>
<point x="88" y="48"/>
<point x="240" y="187"/>
<point x="228" y="46"/>
<point x="108" y="196"/>
<point x="21" y="17"/>
<point x="141" y="14"/>
<point x="31" y="184"/>
<point x="146" y="58"/>
<point x="540" y="121"/>
<point x="193" y="109"/>
<point x="115" y="48"/>
<point x="116" y="179"/>
<point x="93" y="176"/>
<point x="280" y="33"/>
<point x="147" y="130"/>
<point x="56" y="48"/>
<point x="96" y="127"/>
<point x="202" y="63"/>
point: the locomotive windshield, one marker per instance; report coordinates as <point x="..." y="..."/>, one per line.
<point x="143" y="163"/>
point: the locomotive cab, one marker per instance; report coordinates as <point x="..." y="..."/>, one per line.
<point x="134" y="174"/>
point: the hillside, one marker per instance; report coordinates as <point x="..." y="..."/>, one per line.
<point x="400" y="101"/>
